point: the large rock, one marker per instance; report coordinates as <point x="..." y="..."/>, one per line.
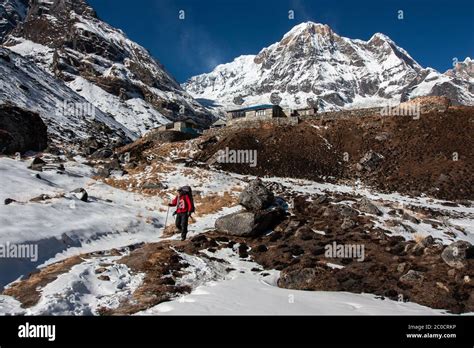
<point x="103" y="153"/>
<point x="256" y="196"/>
<point x="370" y="161"/>
<point x="456" y="254"/>
<point x="37" y="164"/>
<point x="81" y="194"/>
<point x="366" y="206"/>
<point x="247" y="223"/>
<point x="305" y="278"/>
<point x="412" y="277"/>
<point x="21" y="130"/>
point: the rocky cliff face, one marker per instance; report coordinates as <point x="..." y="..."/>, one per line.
<point x="312" y="65"/>
<point x="11" y="13"/>
<point x="100" y="63"/>
<point x="69" y="118"/>
<point x="463" y="70"/>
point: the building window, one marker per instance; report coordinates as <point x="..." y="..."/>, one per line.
<point x="260" y="112"/>
<point x="238" y="114"/>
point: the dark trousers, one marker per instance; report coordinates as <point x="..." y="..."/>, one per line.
<point x="182" y="223"/>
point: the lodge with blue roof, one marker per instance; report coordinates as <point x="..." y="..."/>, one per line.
<point x="268" y="111"/>
<point x="256" y="111"/>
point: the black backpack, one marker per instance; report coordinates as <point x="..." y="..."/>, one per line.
<point x="188" y="191"/>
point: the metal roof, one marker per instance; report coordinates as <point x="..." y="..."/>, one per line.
<point x="255" y="107"/>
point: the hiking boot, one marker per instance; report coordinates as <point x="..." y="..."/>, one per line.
<point x="183" y="237"/>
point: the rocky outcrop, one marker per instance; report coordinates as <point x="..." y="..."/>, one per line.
<point x="256" y="196"/>
<point x="457" y="253"/>
<point x="369" y="161"/>
<point x="366" y="206"/>
<point x="21" y="130"/>
<point x="29" y="87"/>
<point x="96" y="59"/>
<point x="463" y="70"/>
<point x="262" y="212"/>
<point x="12" y="12"/>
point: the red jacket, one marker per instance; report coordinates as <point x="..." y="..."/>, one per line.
<point x="183" y="205"/>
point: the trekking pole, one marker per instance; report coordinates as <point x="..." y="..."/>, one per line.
<point x="166" y="220"/>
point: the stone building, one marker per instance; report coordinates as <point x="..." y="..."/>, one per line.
<point x="187" y="126"/>
<point x="264" y="111"/>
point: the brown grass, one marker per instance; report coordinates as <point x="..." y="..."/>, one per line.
<point x="418" y="238"/>
<point x="213" y="203"/>
<point x="156" y="260"/>
<point x="28" y="291"/>
<point x="170" y="231"/>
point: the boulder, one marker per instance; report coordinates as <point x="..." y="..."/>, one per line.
<point x="410" y="218"/>
<point x="347" y="211"/>
<point x="305" y="233"/>
<point x="297" y="279"/>
<point x="321" y="199"/>
<point x="366" y="206"/>
<point x="370" y="161"/>
<point x="40" y="198"/>
<point x="427" y="241"/>
<point x="103" y="153"/>
<point x="9" y="201"/>
<point x="80" y="194"/>
<point x="90" y="145"/>
<point x="21" y="130"/>
<point x="247" y="223"/>
<point x="256" y="196"/>
<point x="456" y="254"/>
<point x="305" y="278"/>
<point x="348" y="223"/>
<point x="412" y="277"/>
<point x="37" y="164"/>
<point x="154" y="186"/>
<point x="102" y="172"/>
<point x="113" y="164"/>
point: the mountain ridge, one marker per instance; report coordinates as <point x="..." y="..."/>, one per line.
<point x="99" y="62"/>
<point x="312" y="65"/>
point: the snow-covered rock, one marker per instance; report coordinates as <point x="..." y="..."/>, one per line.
<point x="463" y="70"/>
<point x="312" y="65"/>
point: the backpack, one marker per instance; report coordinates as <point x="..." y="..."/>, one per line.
<point x="188" y="191"/>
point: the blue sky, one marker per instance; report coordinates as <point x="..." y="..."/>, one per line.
<point x="216" y="31"/>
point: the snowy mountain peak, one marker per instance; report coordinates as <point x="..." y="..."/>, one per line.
<point x="313" y="65"/>
<point x="463" y="70"/>
<point x="53" y="7"/>
<point x="380" y="37"/>
<point x="310" y="28"/>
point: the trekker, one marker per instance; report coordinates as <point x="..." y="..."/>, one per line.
<point x="184" y="208"/>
